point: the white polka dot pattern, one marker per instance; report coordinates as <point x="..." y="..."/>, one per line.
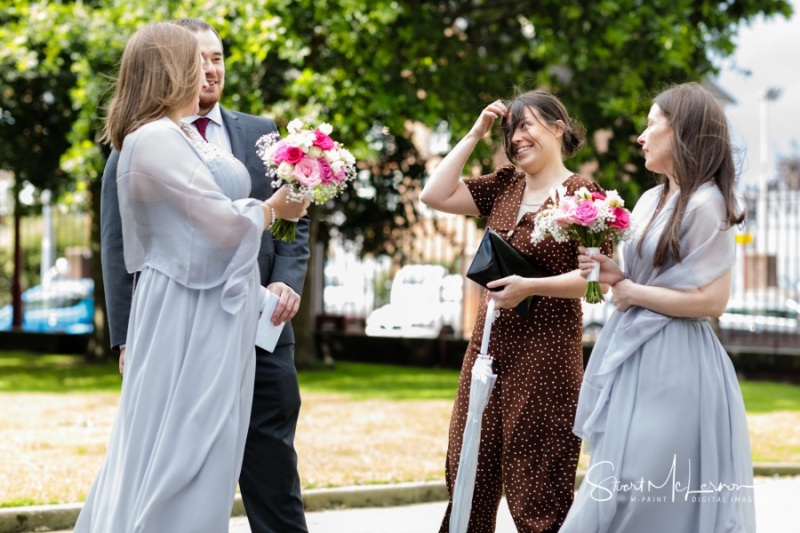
<point x="527" y="445"/>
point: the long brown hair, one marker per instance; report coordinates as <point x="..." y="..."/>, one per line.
<point x="551" y="111"/>
<point x="701" y="152"/>
<point x="159" y="72"/>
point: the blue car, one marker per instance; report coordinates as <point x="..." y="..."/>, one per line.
<point x="62" y="306"/>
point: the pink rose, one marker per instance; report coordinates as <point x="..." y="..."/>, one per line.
<point x="565" y="214"/>
<point x="565" y="220"/>
<point x="294" y="154"/>
<point x="306" y="172"/>
<point x="325" y="171"/>
<point x="621" y="218"/>
<point x="290" y="154"/>
<point x="586" y="213"/>
<point x="279" y="155"/>
<point x="340" y="175"/>
<point x="322" y="141"/>
<point x="597" y="196"/>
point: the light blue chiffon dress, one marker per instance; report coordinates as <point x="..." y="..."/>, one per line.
<point x="177" y="443"/>
<point x="660" y="406"/>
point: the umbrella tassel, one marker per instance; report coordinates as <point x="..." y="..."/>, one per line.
<point x="487" y="326"/>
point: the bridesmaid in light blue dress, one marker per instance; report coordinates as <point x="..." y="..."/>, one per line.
<point x="177" y="443"/>
<point x="660" y="408"/>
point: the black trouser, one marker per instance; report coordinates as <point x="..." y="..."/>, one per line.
<point x="269" y="482"/>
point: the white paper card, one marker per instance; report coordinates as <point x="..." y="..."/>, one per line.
<point x="267" y="333"/>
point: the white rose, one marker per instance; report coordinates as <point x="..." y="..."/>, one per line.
<point x="613" y="199"/>
<point x="347" y="156"/>
<point x="583" y="194"/>
<point x="315" y="151"/>
<point x="285" y="170"/>
<point x="325" y="128"/>
<point x="332" y="155"/>
<point x="295" y="125"/>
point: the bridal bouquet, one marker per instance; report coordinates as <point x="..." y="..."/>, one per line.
<point x="310" y="162"/>
<point x="589" y="218"/>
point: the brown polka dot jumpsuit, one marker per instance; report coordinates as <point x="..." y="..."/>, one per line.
<point x="527" y="445"/>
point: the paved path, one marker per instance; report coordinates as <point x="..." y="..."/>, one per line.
<point x="419" y="518"/>
<point x="777" y="511"/>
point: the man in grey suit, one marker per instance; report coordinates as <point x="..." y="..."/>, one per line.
<point x="269" y="481"/>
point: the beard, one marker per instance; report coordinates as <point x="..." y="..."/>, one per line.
<point x="208" y="100"/>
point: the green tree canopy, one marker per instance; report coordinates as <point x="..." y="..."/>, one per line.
<point x="372" y="68"/>
<point x="36" y="115"/>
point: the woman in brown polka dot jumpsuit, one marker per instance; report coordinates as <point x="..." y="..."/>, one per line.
<point x="527" y="445"/>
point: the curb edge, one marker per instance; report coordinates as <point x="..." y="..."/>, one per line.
<point x="63" y="516"/>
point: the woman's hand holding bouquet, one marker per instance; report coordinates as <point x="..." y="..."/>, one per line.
<point x="312" y="165"/>
<point x="589" y="218"/>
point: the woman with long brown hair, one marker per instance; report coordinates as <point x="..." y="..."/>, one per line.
<point x="193" y="236"/>
<point x="660" y="405"/>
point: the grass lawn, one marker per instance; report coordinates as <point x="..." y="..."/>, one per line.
<point x="360" y="424"/>
<point x="58" y="374"/>
<point x="770" y="397"/>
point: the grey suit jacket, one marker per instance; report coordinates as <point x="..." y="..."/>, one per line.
<point x="277" y="260"/>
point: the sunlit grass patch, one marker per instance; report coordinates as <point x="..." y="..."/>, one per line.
<point x="27" y="372"/>
<point x="361" y="381"/>
<point x="770" y="397"/>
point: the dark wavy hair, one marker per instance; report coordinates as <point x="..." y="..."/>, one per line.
<point x="551" y="110"/>
<point x="701" y="152"/>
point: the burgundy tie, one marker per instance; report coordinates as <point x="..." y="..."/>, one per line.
<point x="201" y="124"/>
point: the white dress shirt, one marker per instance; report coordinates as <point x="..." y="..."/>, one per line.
<point x="215" y="132"/>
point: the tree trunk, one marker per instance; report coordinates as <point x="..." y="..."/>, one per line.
<point x="16" y="284"/>
<point x="305" y="355"/>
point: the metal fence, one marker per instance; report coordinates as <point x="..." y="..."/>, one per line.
<point x="763" y="313"/>
<point x="764" y="309"/>
<point x="55" y="278"/>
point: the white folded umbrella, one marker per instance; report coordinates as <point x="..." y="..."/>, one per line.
<point x="480" y="389"/>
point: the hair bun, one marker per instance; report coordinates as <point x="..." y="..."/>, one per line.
<point x="574" y="138"/>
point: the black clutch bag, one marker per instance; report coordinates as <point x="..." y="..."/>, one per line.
<point x="496" y="259"/>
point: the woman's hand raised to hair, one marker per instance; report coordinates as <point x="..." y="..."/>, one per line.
<point x="485" y="121"/>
